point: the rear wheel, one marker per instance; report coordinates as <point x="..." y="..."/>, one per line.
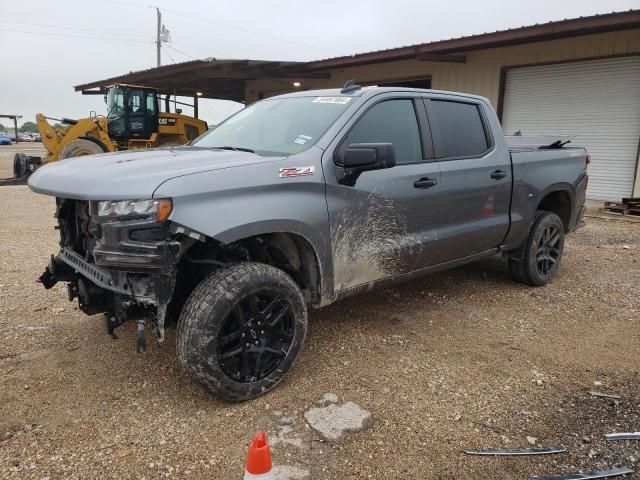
<point x="241" y="330"/>
<point x="80" y="148"/>
<point x="542" y="251"/>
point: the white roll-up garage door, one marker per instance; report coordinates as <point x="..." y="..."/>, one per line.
<point x="598" y="100"/>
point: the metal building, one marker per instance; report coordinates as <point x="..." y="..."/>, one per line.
<point x="578" y="76"/>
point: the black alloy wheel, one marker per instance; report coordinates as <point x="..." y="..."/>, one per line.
<point x="256" y="335"/>
<point x="549" y="251"/>
<point x="241" y="330"/>
<point x="536" y="262"/>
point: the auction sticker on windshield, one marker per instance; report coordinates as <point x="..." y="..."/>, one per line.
<point x="338" y="100"/>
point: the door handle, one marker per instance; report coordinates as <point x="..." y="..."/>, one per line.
<point x="425" y="183"/>
<point x="498" y="174"/>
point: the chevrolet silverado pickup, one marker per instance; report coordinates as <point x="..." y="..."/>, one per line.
<point x="296" y="201"/>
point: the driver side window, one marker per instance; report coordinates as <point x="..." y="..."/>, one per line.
<point x="151" y="103"/>
<point x="135" y="101"/>
<point x="391" y="121"/>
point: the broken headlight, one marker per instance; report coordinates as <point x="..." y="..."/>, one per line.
<point x="157" y="210"/>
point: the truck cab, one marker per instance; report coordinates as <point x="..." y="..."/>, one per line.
<point x="132" y="112"/>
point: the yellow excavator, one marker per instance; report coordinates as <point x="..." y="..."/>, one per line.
<point x="133" y="121"/>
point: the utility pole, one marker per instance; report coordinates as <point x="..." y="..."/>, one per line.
<point x="158" y="41"/>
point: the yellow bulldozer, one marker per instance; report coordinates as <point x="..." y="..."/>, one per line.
<point x="133" y="121"/>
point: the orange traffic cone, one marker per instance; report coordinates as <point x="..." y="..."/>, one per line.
<point x="258" y="459"/>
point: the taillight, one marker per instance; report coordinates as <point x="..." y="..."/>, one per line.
<point x="588" y="158"/>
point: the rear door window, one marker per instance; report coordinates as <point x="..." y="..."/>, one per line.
<point x="391" y="121"/>
<point x="461" y="129"/>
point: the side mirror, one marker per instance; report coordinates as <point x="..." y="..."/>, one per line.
<point x="361" y="157"/>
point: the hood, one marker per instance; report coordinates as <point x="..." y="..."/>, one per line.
<point x="131" y="174"/>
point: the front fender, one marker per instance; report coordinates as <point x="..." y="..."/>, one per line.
<point x="234" y="203"/>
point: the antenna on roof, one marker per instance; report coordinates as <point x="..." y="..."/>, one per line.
<point x="350" y="86"/>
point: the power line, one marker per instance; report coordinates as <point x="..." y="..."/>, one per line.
<point x="131" y="4"/>
<point x="244" y="30"/>
<point x="206" y="107"/>
<point x="56" y="34"/>
<point x="168" y="54"/>
<point x="60" y="27"/>
<point x="73" y="28"/>
<point x="183" y="53"/>
<point x="220" y="24"/>
<point x="190" y="47"/>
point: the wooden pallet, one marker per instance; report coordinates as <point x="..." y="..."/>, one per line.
<point x="628" y="206"/>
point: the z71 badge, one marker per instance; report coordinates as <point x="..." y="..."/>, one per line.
<point x="286" y="172"/>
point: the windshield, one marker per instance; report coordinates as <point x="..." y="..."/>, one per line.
<point x="280" y="126"/>
<point x="115" y="103"/>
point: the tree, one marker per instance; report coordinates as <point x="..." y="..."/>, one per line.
<point x="57" y="126"/>
<point x="28" y="127"/>
<point x="2" y="128"/>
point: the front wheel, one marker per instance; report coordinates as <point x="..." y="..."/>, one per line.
<point x="79" y="148"/>
<point x="241" y="330"/>
<point x="542" y="253"/>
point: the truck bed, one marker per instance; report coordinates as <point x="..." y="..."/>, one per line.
<point x="536" y="142"/>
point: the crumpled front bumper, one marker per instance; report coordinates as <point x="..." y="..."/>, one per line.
<point x="152" y="287"/>
<point x="134" y="260"/>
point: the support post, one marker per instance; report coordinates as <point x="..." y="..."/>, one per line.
<point x="195" y="106"/>
<point x="158" y="41"/>
<point x="15" y="128"/>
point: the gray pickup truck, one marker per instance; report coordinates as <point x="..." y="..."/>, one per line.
<point x="300" y="200"/>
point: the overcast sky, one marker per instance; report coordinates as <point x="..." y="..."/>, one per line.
<point x="49" y="46"/>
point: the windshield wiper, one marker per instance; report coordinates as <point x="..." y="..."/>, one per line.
<point x="236" y="149"/>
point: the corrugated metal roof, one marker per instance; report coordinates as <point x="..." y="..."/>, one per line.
<point x="512" y="36"/>
<point x="226" y="78"/>
<point x="213" y="78"/>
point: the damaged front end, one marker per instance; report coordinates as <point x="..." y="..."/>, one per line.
<point x="118" y="258"/>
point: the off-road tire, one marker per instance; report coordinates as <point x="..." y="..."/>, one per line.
<point x="527" y="270"/>
<point x="79" y="148"/>
<point x="204" y="314"/>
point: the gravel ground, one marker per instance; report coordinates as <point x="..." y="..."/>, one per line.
<point x="460" y="359"/>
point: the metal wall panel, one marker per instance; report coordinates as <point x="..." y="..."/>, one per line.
<point x="597" y="100"/>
